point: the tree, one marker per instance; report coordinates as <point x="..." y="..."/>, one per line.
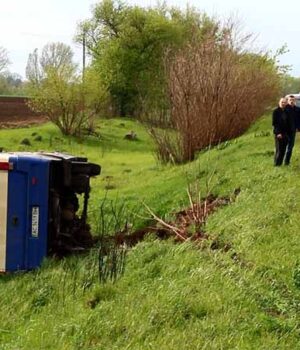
<point x="127" y="44"/>
<point x="33" y="68"/>
<point x="11" y="84"/>
<point x="61" y="101"/>
<point x="4" y="60"/>
<point x="96" y="97"/>
<point x="289" y="85"/>
<point x="55" y="56"/>
<point x="58" y="91"/>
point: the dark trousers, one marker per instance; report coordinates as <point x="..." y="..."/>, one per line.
<point x="280" y="149"/>
<point x="289" y="149"/>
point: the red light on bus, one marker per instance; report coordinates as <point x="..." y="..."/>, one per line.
<point x="6" y="166"/>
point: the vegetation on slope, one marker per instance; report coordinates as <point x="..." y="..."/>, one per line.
<point x="171" y="296"/>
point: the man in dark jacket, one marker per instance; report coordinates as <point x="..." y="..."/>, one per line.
<point x="282" y="128"/>
<point x="293" y="113"/>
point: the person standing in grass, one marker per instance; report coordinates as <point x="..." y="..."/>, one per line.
<point x="293" y="113"/>
<point x="281" y="129"/>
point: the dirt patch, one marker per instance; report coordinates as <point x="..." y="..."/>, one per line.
<point x="14" y="112"/>
<point x="188" y="224"/>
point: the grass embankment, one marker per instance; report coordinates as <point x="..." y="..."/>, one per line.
<point x="172" y="296"/>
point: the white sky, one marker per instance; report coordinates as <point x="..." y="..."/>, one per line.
<point x="29" y="24"/>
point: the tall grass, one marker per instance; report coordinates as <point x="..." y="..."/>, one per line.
<point x="171" y="296"/>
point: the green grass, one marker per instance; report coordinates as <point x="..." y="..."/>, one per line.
<point x="172" y="296"/>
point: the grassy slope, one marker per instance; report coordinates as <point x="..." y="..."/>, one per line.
<point x="171" y="296"/>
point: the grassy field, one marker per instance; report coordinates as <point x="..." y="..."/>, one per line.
<point x="171" y="296"/>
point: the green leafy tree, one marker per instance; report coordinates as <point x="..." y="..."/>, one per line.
<point x="56" y="89"/>
<point x="61" y="100"/>
<point x="290" y="85"/>
<point x="96" y="97"/>
<point x="128" y="44"/>
<point x="59" y="92"/>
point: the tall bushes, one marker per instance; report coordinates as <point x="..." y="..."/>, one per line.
<point x="216" y="89"/>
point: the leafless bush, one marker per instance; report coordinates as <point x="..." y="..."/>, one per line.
<point x="168" y="145"/>
<point x="216" y="88"/>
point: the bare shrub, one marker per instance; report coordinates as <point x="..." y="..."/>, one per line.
<point x="168" y="145"/>
<point x="216" y="88"/>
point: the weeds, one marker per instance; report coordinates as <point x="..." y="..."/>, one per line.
<point x="115" y="223"/>
<point x="111" y="260"/>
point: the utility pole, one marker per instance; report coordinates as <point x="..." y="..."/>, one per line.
<point x="83" y="77"/>
<point x="83" y="55"/>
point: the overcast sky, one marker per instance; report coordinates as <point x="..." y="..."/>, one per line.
<point x="29" y="24"/>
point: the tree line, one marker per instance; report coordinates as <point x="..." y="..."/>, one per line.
<point x="193" y="80"/>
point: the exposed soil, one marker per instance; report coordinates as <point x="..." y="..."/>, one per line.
<point x="188" y="224"/>
<point x="14" y="112"/>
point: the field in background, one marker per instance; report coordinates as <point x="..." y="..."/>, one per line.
<point x="172" y="296"/>
<point x="15" y="112"/>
